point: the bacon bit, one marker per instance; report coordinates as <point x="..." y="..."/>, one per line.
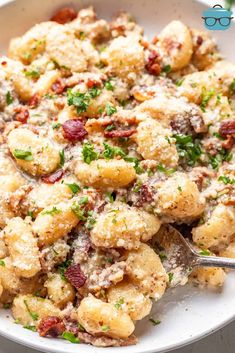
<point x="21" y="114"/>
<point x="51" y="326"/>
<point x="228" y="143"/>
<point x="146" y="194"/>
<point x="75" y="276"/>
<point x="144" y="43"/>
<point x="153" y="66"/>
<point x="4" y="63"/>
<point x="64" y="15"/>
<point x="119" y="133"/>
<point x="52" y="178"/>
<point x="227" y="128"/>
<point x="34" y="101"/>
<point x="58" y="86"/>
<point x="92" y="83"/>
<point x="73" y="130"/>
<point x="155" y="40"/>
<point x="199" y="40"/>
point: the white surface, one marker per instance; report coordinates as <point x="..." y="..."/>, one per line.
<point x="186" y="314"/>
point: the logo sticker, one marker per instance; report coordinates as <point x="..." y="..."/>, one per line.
<point x="217" y="18"/>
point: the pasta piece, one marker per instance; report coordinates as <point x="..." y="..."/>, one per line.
<point x="154" y="142"/>
<point x="67" y="51"/>
<point x="54" y="222"/>
<point x="44" y="83"/>
<point x="28" y="309"/>
<point x="175" y="44"/>
<point x="165" y="109"/>
<point x="45" y="195"/>
<point x="59" y="291"/>
<point x="125" y="57"/>
<point x="145" y="270"/>
<point x="217" y="230"/>
<point x="123" y="226"/>
<point x="98" y="317"/>
<point x="208" y="277"/>
<point x="102" y="174"/>
<point x="22" y="246"/>
<point x="9" y="280"/>
<point x="229" y="251"/>
<point x="126" y="297"/>
<point x="179" y="198"/>
<point x="36" y="155"/>
<point x="31" y="44"/>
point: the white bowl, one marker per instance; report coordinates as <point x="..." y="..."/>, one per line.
<point x="186" y="313"/>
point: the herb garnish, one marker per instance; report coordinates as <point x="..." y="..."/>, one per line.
<point x="24" y="155"/>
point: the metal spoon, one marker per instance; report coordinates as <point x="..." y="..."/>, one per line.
<point x="179" y="258"/>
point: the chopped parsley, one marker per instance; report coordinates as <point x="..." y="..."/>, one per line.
<point x="6" y="306"/>
<point x="154" y="322"/>
<point x="74" y="188"/>
<point x="33" y="73"/>
<point x="110" y="127"/>
<point x="24" y="155"/>
<point x="88" y="153"/>
<point x="9" y="98"/>
<point x="205" y="252"/>
<point x="82" y="100"/>
<point x="110" y="197"/>
<point x="105" y="328"/>
<point x="179" y="188"/>
<point x="163" y="169"/>
<point x="63" y="267"/>
<point x="78" y="209"/>
<point x="119" y="303"/>
<point x="179" y="82"/>
<point x="69" y="336"/>
<point x="162" y="256"/>
<point x="170" y="276"/>
<point x="56" y="126"/>
<point x="30" y="214"/>
<point x="112" y="151"/>
<point x="62" y="158"/>
<point x="2" y="263"/>
<point x="216" y="134"/>
<point x="110" y="109"/>
<point x="51" y="212"/>
<point x="136" y="162"/>
<point x="30" y="327"/>
<point x="166" y="69"/>
<point x="226" y="180"/>
<point x="33" y="315"/>
<point x="108" y="85"/>
<point x="187" y="149"/>
<point x="90" y="220"/>
<point x="205" y="97"/>
<point x="222" y="156"/>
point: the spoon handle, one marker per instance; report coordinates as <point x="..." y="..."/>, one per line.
<point x="213" y="261"/>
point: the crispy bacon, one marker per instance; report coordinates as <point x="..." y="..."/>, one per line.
<point x="75" y="276"/>
<point x="228" y="143"/>
<point x="51" y="326"/>
<point x="64" y="15"/>
<point x="73" y="130"/>
<point x="119" y="133"/>
<point x="199" y="40"/>
<point x="21" y="114"/>
<point x="52" y="178"/>
<point x="227" y="127"/>
<point x="34" y="101"/>
<point x="58" y="86"/>
<point x="153" y="65"/>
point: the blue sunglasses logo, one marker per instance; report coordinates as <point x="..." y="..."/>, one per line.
<point x="217" y="18"/>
